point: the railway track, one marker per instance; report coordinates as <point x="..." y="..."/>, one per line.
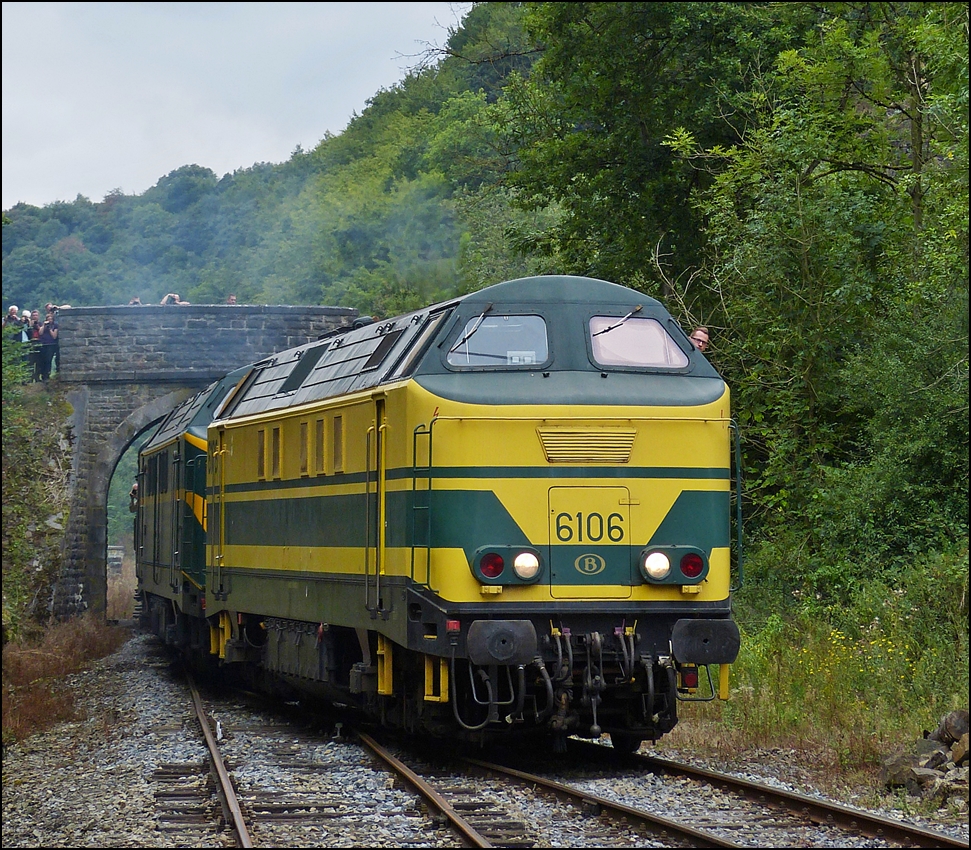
<point x="763" y="815"/>
<point x="813" y="809"/>
<point x="571" y="802"/>
<point x="283" y="783"/>
<point x="220" y="775"/>
<point x="730" y="812"/>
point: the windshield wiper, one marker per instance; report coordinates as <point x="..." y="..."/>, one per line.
<point x="618" y="324"/>
<point x="475" y="327"/>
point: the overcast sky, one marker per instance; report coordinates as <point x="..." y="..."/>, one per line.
<point x="103" y="96"/>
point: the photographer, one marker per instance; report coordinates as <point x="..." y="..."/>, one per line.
<point x="12" y="319"/>
<point x="31" y="340"/>
<point x="53" y="308"/>
<point x="48" y="345"/>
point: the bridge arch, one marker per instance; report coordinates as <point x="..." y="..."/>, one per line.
<point x="103" y="469"/>
<point x="124" y="368"/>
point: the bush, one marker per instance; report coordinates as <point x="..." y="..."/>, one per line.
<point x="853" y="674"/>
<point x="35" y="695"/>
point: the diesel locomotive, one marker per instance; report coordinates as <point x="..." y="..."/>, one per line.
<point x="507" y="514"/>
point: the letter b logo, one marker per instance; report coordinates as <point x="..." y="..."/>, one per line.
<point x="590" y="565"/>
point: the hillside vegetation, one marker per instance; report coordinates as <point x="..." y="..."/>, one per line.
<point x="794" y="176"/>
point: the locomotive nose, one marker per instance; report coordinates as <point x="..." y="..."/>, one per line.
<point x="501" y="642"/>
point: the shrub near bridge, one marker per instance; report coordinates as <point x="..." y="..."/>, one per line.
<point x="36" y="466"/>
<point x="35" y="692"/>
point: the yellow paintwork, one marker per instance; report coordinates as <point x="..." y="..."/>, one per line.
<point x="468" y="435"/>
<point x="197" y="504"/>
<point x="195" y="441"/>
<point x="723" y="680"/>
<point x="435" y="666"/>
<point x="385" y="665"/>
<point x="220" y="631"/>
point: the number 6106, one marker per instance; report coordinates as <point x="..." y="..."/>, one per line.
<point x="591" y="527"/>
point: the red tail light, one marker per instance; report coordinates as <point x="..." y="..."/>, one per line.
<point x="692" y="565"/>
<point x="491" y="565"/>
<point x="689" y="677"/>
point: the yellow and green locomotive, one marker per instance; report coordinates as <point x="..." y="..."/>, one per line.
<point x="504" y="514"/>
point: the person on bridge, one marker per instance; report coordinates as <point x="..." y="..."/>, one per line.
<point x="53" y="308"/>
<point x="173" y="298"/>
<point x="12" y="319"/>
<point x="32" y="340"/>
<point x="48" y="345"/>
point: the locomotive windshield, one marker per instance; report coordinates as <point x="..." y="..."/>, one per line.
<point x="501" y="341"/>
<point x="634" y="342"/>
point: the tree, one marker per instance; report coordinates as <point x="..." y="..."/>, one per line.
<point x="837" y="274"/>
<point x="588" y="126"/>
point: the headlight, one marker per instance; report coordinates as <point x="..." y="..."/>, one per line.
<point x="526" y="565"/>
<point x="656" y="565"/>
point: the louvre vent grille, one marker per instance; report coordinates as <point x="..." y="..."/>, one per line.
<point x="590" y="445"/>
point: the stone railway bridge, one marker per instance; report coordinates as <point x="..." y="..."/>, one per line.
<point x="123" y="369"/>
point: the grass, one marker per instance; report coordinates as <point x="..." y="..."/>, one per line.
<point x="840" y="686"/>
<point x="121" y="590"/>
<point x="35" y="691"/>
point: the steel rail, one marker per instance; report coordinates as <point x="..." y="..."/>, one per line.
<point x="460" y="824"/>
<point x="819" y="811"/>
<point x="815" y="809"/>
<point x="222" y="775"/>
<point x="657" y="823"/>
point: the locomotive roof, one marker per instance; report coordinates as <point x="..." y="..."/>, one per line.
<point x="194" y="414"/>
<point x="357" y="359"/>
<point x="549" y="289"/>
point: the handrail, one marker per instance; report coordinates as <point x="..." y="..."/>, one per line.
<point x="738" y="503"/>
<point x="367" y="524"/>
<point x="382" y="507"/>
<point x="421" y="430"/>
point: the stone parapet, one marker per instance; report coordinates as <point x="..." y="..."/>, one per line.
<point x="145" y="343"/>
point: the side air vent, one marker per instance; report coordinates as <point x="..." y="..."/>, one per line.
<point x="587" y="445"/>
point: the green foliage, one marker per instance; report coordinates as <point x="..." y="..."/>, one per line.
<point x="907" y="493"/>
<point x="364" y="211"/>
<point x="837" y="275"/>
<point x="35" y="469"/>
<point x="588" y="126"/>
<point x="887" y="663"/>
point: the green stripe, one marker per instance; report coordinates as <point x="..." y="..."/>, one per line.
<point x="697" y="517"/>
<point x="465" y="519"/>
<point x="492" y="473"/>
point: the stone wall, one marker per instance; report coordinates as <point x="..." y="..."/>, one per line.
<point x="149" y="344"/>
<point x="123" y="369"/>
